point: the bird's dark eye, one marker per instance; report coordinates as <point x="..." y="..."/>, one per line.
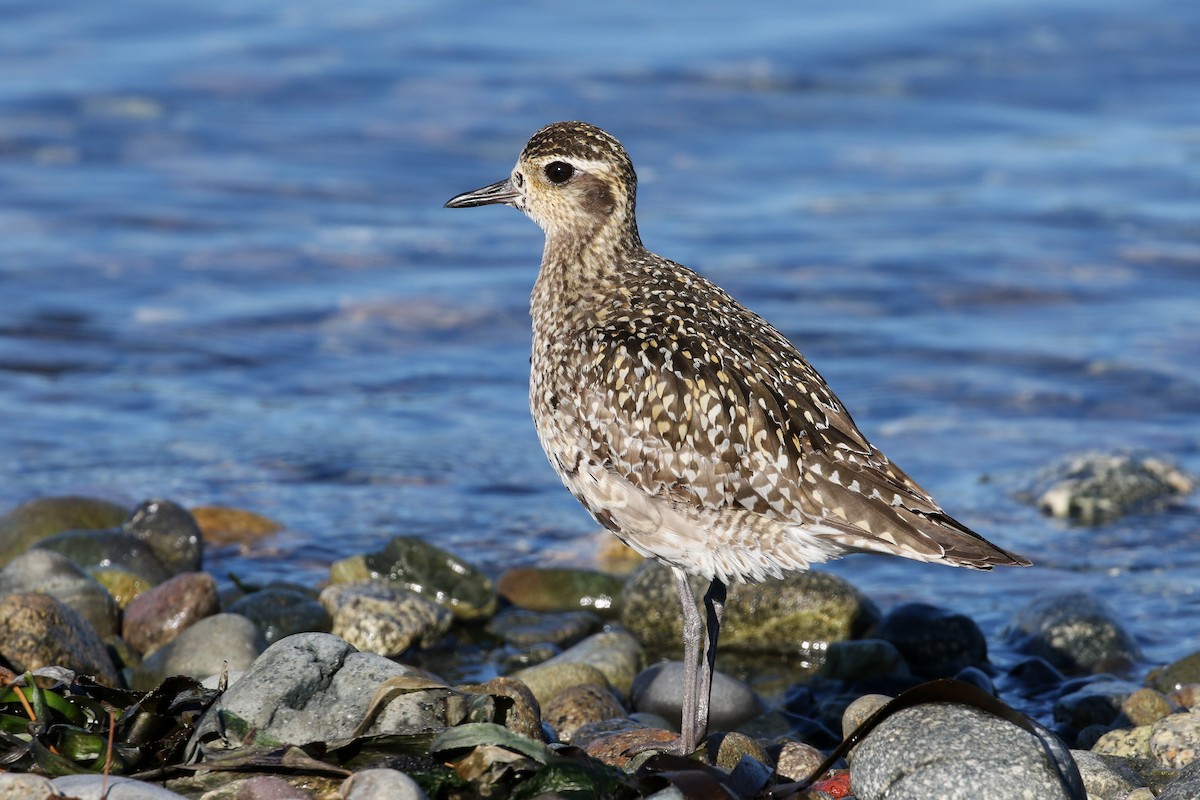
<point x="559" y="172"/>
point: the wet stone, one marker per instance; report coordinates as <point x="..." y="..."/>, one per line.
<point x="124" y="586"/>
<point x="1076" y="633"/>
<point x="935" y="643"/>
<point x="726" y="749"/>
<point x="280" y="612"/>
<point x="222" y="525"/>
<point x="1176" y="675"/>
<point x="561" y="589"/>
<point x="1094" y="703"/>
<point x="521" y="628"/>
<point x="40" y="631"/>
<point x="377" y="617"/>
<point x="209" y="647"/>
<point x="1096" y="487"/>
<point x="54" y="574"/>
<point x="615" y="748"/>
<point x="30" y="522"/>
<point x="108" y="549"/>
<point x="800" y="614"/>
<point x="862" y="659"/>
<point x="526" y="657"/>
<point x="413" y="564"/>
<point x="659" y="690"/>
<point x="171" y="532"/>
<point x="1185" y="787"/>
<point x="578" y="706"/>
<point x="157" y="616"/>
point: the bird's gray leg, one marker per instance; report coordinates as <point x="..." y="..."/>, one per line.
<point x="714" y="603"/>
<point x="691" y="727"/>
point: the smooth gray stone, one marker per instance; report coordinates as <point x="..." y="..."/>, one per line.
<point x="220" y="642"/>
<point x="659" y="690"/>
<point x="89" y="787"/>
<point x="54" y="574"/>
<point x="951" y="752"/>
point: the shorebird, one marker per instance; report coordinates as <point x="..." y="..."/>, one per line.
<point x="685" y="423"/>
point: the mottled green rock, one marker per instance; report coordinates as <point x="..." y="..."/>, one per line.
<point x="123" y="585"/>
<point x="1176" y="675"/>
<point x="562" y="589"/>
<point x="862" y="659"/>
<point x="171" y="532"/>
<point x="548" y="680"/>
<point x="413" y="564"/>
<point x="29" y="522"/>
<point x="519" y="627"/>
<point x="800" y="614"/>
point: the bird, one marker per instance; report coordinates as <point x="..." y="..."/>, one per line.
<point x="685" y="423"/>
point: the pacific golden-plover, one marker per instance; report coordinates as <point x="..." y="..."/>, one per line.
<point x="686" y="424"/>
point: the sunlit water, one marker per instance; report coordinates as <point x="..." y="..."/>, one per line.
<point x="227" y="276"/>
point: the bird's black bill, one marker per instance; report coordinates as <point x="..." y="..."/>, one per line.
<point x="501" y="192"/>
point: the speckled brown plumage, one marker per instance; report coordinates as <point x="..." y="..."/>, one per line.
<point x="685" y="423"/>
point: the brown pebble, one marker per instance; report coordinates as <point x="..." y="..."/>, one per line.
<point x="221" y="525"/>
<point x="618" y="749"/>
<point x="524" y="716"/>
<point x="158" y="615"/>
<point x="579" y="705"/>
<point x="1145" y="706"/>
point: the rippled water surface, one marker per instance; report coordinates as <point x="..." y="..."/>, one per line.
<point x="227" y="276"/>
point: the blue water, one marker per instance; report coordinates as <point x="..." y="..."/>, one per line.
<point x="226" y="276"/>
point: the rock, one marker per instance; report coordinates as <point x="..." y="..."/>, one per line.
<point x="862" y="659"/>
<point x="1096" y="702"/>
<point x="1146" y="706"/>
<point x="548" y="680"/>
<point x="561" y="589"/>
<point x="617" y="655"/>
<point x="171" y="532"/>
<point x="92" y="787"/>
<point x="628" y="748"/>
<point x="381" y="784"/>
<point x="1186" y="696"/>
<point x="413" y="564"/>
<point x="1076" y="633"/>
<point x="107" y="550"/>
<point x="797" y="615"/>
<point x="259" y="787"/>
<point x="212" y="645"/>
<point x="579" y="705"/>
<point x="951" y="752"/>
<point x="377" y="617"/>
<point x="521" y="628"/>
<point x="1175" y="739"/>
<point x="1096" y="487"/>
<point x="54" y="574"/>
<point x="280" y="612"/>
<point x="860" y="710"/>
<point x="158" y="615"/>
<point x="1185" y="787"/>
<point x="935" y="643"/>
<point x="1176" y="675"/>
<point x="523" y="715"/>
<point x="592" y="731"/>
<point x="40" y="631"/>
<point x="315" y="687"/>
<point x="1105" y="777"/>
<point x="1132" y="743"/>
<point x="659" y="690"/>
<point x="30" y="522"/>
<point x="222" y="525"/>
<point x="122" y="584"/>
<point x="798" y="760"/>
<point x="18" y="786"/>
<point x="727" y="749"/>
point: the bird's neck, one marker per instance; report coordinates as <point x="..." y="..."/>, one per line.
<point x="580" y="273"/>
